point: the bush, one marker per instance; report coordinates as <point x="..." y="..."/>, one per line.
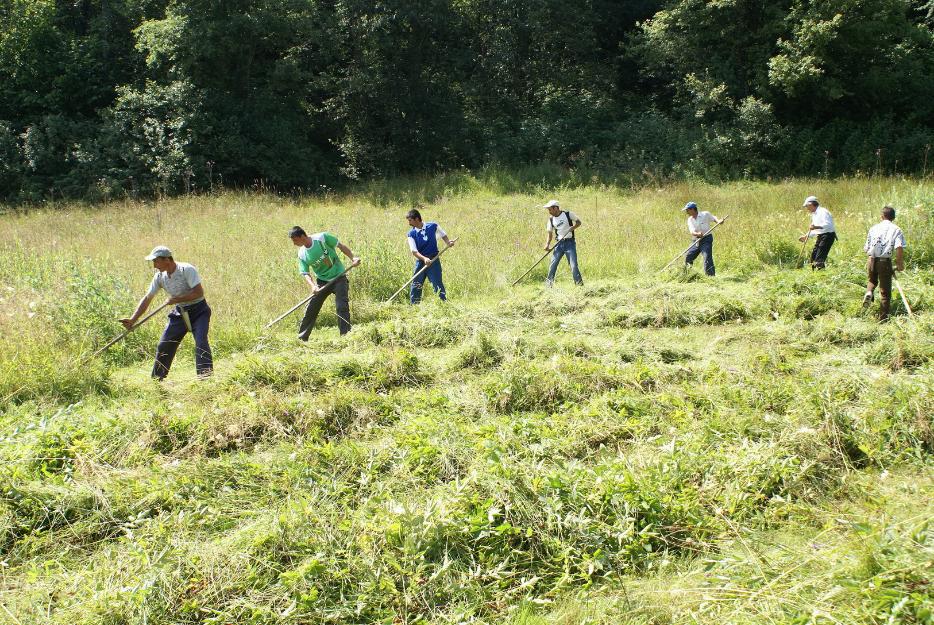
<point x="279" y="372"/>
<point x="780" y="252"/>
<point x="481" y="351"/>
<point x="523" y="386"/>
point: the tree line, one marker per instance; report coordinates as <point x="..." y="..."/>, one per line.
<point x="107" y="98"/>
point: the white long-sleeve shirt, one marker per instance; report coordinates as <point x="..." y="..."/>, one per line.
<point x="821" y="218"/>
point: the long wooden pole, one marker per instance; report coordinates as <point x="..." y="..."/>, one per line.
<point x="904" y="299"/>
<point x="421" y="271"/>
<point x="550" y="249"/>
<point x="803" y="247"/>
<point x="722" y="221"/>
<point x="308" y="299"/>
<point x="130" y="329"/>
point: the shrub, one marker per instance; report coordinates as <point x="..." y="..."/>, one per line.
<point x="779" y="252"/>
<point x="279" y="372"/>
<point x="481" y="351"/>
<point x="545" y="386"/>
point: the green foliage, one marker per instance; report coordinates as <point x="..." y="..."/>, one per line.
<point x="106" y="100"/>
<point x="665" y="308"/>
<point x="523" y="386"/>
<point x="481" y="351"/>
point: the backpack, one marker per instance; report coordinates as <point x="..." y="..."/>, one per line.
<point x="567" y="215"/>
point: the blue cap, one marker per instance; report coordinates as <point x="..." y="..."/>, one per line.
<point x="689" y="206"/>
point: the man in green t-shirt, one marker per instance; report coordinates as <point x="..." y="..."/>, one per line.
<point x="319" y="264"/>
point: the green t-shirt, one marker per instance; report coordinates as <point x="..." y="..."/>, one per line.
<point x="321" y="257"/>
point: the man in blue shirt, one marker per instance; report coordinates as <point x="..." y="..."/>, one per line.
<point x="423" y="241"/>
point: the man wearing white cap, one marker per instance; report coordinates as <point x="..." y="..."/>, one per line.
<point x="191" y="313"/>
<point x="562" y="224"/>
<point x="700" y="223"/>
<point x="823" y="228"/>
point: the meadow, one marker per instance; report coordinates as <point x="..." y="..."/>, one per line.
<point x="648" y="449"/>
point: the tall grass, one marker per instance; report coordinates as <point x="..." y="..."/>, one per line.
<point x="752" y="448"/>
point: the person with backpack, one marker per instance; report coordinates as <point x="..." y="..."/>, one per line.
<point x="317" y="254"/>
<point x="423" y="243"/>
<point x="561" y="225"/>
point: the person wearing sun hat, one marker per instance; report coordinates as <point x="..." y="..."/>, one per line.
<point x="191" y="313"/>
<point x="700" y="224"/>
<point x="562" y="225"/>
<point x="823" y="228"/>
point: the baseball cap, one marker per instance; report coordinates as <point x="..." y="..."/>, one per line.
<point x="160" y="251"/>
<point x="689" y="206"/>
<point x="809" y="200"/>
<point x="551" y="204"/>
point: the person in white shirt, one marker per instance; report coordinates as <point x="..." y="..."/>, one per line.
<point x="562" y="224"/>
<point x="700" y="223"/>
<point x="191" y="313"/>
<point x="884" y="240"/>
<point x="423" y="243"/>
<point x="823" y="228"/>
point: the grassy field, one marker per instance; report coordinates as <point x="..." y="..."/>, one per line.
<point x="651" y="449"/>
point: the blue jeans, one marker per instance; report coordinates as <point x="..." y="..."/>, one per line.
<point x="568" y="248"/>
<point x="433" y="273"/>
<point x="175" y="331"/>
<point x="703" y="246"/>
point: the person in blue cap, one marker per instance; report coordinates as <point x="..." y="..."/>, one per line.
<point x="423" y="243"/>
<point x="699" y="225"/>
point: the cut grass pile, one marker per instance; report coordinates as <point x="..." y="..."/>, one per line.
<point x="391" y="475"/>
<point x="752" y="448"/>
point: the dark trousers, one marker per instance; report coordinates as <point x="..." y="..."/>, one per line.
<point x="880" y="274"/>
<point x="433" y="273"/>
<point x="821" y="249"/>
<point x="703" y="246"/>
<point x="568" y="248"/>
<point x="175" y="331"/>
<point x="341" y="290"/>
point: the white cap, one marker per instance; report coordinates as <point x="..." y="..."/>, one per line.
<point x="810" y="200"/>
<point x="160" y="251"/>
<point x="552" y="204"/>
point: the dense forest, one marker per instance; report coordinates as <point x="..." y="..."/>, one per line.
<point x="108" y="98"/>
